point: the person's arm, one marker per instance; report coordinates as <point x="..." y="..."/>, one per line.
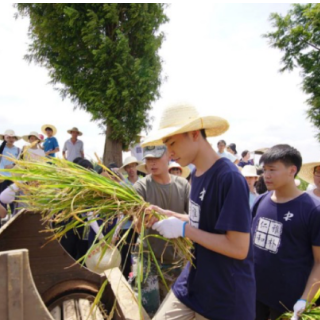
<point x="82" y="150"/>
<point x="233" y="244"/>
<point x="309" y="291"/>
<point x="312" y="285"/>
<point x="3" y="211"/>
<point x="64" y="151"/>
<point x="82" y="154"/>
<point x="168" y="213"/>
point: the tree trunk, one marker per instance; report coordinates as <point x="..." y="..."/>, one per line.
<point x="112" y="150"/>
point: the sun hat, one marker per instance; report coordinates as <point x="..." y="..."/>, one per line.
<point x="185" y="171"/>
<point x="9" y="133"/>
<point x="183" y="117"/>
<point x="53" y="128"/>
<point x="249" y="171"/>
<point x="76" y="130"/>
<point x="306" y="171"/>
<point x="128" y="161"/>
<point x="154" y="151"/>
<point x="142" y="168"/>
<point x="261" y="150"/>
<point x="32" y="133"/>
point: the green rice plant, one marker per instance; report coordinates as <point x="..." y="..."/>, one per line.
<point x="65" y="193"/>
<point x="311" y="312"/>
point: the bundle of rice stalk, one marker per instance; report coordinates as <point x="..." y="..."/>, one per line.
<point x="65" y="194"/>
<point x="311" y="312"/>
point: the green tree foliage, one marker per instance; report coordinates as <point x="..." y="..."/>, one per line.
<point x="298" y="35"/>
<point x="106" y="58"/>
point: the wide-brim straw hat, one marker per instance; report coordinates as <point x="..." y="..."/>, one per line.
<point x="53" y="128"/>
<point x="76" y="130"/>
<point x="306" y="171"/>
<point x="127" y="161"/>
<point x="183" y="117"/>
<point x="142" y="168"/>
<point x="185" y="171"/>
<point x="249" y="171"/>
<point x="9" y="133"/>
<point x="32" y="133"/>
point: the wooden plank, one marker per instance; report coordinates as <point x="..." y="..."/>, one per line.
<point x="56" y="313"/>
<point x="69" y="310"/>
<point x="15" y="286"/>
<point x="84" y="309"/>
<point x="125" y="296"/>
<point x="4" y="284"/>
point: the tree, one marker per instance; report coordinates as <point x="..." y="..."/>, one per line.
<point x="105" y="58"/>
<point x="298" y="36"/>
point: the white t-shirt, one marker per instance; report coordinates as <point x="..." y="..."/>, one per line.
<point x="313" y="195"/>
<point x="35" y="154"/>
<point x="227" y="155"/>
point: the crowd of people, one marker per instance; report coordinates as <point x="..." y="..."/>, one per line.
<point x="256" y="235"/>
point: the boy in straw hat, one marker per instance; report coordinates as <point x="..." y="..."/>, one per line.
<point x="310" y="172"/>
<point x="220" y="283"/>
<point x="130" y="167"/>
<point x="286" y="238"/>
<point x="10" y="150"/>
<point x="50" y="144"/>
<point x="73" y="148"/>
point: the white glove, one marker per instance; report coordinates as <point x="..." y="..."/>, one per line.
<point x="8" y="195"/>
<point x="298" y="308"/>
<point x="170" y="228"/>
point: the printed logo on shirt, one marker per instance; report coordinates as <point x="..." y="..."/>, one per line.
<point x="202" y="193"/>
<point x="288" y="216"/>
<point x="268" y="235"/>
<point x="194" y="214"/>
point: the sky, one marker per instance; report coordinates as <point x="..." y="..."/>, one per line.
<point x="214" y="56"/>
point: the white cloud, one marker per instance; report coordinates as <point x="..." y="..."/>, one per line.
<point x="214" y="56"/>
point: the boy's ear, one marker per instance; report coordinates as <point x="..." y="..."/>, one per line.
<point x="293" y="170"/>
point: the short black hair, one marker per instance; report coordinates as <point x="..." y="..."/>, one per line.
<point x="233" y="147"/>
<point x="284" y="153"/>
<point x="77" y="160"/>
<point x="48" y="128"/>
<point x="203" y="133"/>
<point x="244" y="153"/>
<point x="85" y="163"/>
<point x="222" y="141"/>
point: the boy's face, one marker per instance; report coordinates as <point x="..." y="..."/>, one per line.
<point x="131" y="169"/>
<point x="221" y="147"/>
<point x="182" y="148"/>
<point x="277" y="175"/>
<point x="49" y="133"/>
<point x="251" y="181"/>
<point x="158" y="166"/>
<point x="316" y="176"/>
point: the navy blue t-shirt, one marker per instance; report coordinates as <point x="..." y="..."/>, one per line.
<point x="283" y="236"/>
<point x="219" y="287"/>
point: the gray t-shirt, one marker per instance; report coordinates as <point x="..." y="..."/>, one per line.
<point x="73" y="150"/>
<point x="173" y="196"/>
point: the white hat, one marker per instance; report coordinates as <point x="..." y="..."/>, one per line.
<point x="180" y="118"/>
<point x="9" y="133"/>
<point x="185" y="170"/>
<point x="32" y="133"/>
<point x="306" y="171"/>
<point x="75" y="129"/>
<point x="249" y="171"/>
<point x="128" y="161"/>
<point x="98" y="264"/>
<point x="53" y="128"/>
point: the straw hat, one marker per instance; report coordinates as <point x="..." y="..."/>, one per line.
<point x="32" y="133"/>
<point x="180" y="118"/>
<point x="53" y="128"/>
<point x="76" y="130"/>
<point x="261" y="150"/>
<point x="9" y="133"/>
<point x="128" y="161"/>
<point x="142" y="168"/>
<point x="249" y="171"/>
<point x="185" y="170"/>
<point x="306" y="171"/>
